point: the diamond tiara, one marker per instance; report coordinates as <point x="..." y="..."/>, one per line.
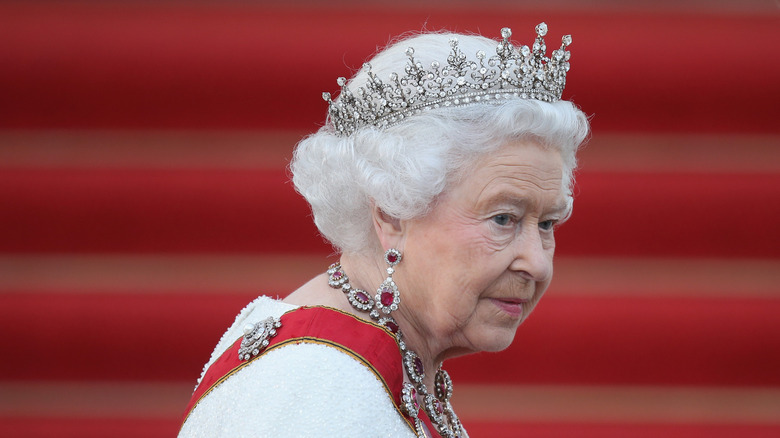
<point x="512" y="72"/>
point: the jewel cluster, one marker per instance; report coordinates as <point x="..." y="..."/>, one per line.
<point x="437" y="404"/>
<point x="257" y="337"/>
<point x="512" y="72"/>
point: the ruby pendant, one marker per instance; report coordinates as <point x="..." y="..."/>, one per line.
<point x="387" y="296"/>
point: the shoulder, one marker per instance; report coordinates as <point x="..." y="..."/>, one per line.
<point x="320" y="378"/>
<point x="299" y="390"/>
<point x="259" y="309"/>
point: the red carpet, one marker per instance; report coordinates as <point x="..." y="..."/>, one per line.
<point x="131" y="65"/>
<point x="124" y="428"/>
<point x="569" y="340"/>
<point x="143" y="141"/>
<point x="234" y="210"/>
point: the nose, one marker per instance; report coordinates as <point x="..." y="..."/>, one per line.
<point x="532" y="258"/>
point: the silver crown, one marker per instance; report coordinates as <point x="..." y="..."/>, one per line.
<point x="524" y="73"/>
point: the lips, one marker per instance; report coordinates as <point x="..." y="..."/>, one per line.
<point x="512" y="306"/>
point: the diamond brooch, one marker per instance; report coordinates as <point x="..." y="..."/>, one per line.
<point x="257" y="337"/>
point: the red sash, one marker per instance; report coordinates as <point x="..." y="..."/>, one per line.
<point x="372" y="345"/>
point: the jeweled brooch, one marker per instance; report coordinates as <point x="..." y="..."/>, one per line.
<point x="257" y="336"/>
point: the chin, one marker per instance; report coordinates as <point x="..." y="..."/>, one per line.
<point x="497" y="340"/>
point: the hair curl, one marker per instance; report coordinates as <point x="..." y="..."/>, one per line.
<point x="403" y="168"/>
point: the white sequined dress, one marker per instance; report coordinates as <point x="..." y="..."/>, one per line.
<point x="298" y="390"/>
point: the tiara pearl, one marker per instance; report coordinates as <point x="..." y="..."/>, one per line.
<point x="523" y="72"/>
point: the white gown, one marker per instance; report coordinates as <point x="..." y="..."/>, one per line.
<point x="298" y="390"/>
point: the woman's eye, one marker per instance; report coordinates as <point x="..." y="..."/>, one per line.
<point x="501" y="219"/>
<point x="547" y="225"/>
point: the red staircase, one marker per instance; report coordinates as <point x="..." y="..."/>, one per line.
<point x="144" y="201"/>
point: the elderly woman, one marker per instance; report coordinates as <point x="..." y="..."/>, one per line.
<point x="441" y="175"/>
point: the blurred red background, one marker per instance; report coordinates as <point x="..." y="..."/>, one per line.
<point x="144" y="200"/>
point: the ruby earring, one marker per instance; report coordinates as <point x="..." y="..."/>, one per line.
<point x="387" y="296"/>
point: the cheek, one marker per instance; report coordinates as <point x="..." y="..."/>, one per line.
<point x="469" y="268"/>
<point x="484" y="257"/>
<point x="548" y="242"/>
<point x="497" y="239"/>
<point x="482" y="261"/>
<point x="457" y="259"/>
<point x="460" y="242"/>
<point x="488" y="238"/>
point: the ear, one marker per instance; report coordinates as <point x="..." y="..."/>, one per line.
<point x="389" y="230"/>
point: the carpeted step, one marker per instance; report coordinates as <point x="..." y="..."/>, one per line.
<point x="588" y="429"/>
<point x="245" y="65"/>
<point x="145" y="408"/>
<point x="570" y="339"/>
<point x="687" y="422"/>
<point x="250" y="210"/>
<point x="124" y="257"/>
<point x="279" y="274"/>
<point x="42" y="427"/>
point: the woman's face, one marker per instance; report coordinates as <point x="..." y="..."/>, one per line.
<point x="478" y="263"/>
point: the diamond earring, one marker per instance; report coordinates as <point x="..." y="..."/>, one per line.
<point x="387" y="296"/>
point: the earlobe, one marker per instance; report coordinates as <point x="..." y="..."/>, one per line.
<point x="389" y="229"/>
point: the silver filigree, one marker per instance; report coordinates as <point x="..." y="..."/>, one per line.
<point x="437" y="406"/>
<point x="435" y="410"/>
<point x="336" y="276"/>
<point x="387" y="296"/>
<point x="443" y="385"/>
<point x="257" y="336"/>
<point x="360" y="299"/>
<point x="510" y="73"/>
<point x="409" y="403"/>
<point x="414" y="366"/>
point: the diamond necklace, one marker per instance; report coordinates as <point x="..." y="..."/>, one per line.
<point x="436" y="405"/>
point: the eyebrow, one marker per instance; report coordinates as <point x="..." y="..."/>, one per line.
<point x="560" y="205"/>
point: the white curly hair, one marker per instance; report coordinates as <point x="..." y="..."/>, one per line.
<point x="404" y="168"/>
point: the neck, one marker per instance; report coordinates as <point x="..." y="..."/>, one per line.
<point x="368" y="273"/>
<point x="364" y="272"/>
<point x="415" y="344"/>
